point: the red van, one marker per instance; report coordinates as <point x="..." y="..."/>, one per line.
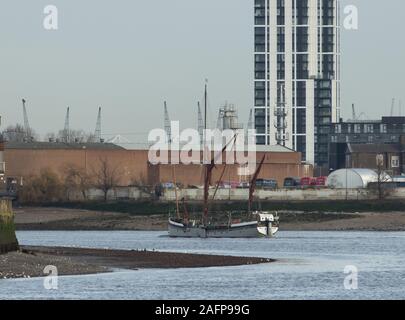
<point x="321" y="181"/>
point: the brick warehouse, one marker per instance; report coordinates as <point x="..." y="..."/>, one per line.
<point x="25" y="159"/>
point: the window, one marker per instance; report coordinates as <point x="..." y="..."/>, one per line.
<point x="380" y="160"/>
<point x="338" y="128"/>
<point x="260" y="12"/>
<point x="260" y="94"/>
<point x="280" y="39"/>
<point x="260" y="140"/>
<point x="395" y="162"/>
<point x="383" y="128"/>
<point x="368" y="128"/>
<point x="357" y="128"/>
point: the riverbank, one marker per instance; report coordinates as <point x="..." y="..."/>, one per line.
<point x="31" y="261"/>
<point x="57" y="219"/>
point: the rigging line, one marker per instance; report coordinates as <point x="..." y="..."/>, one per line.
<point x="219" y="181"/>
<point x="224" y="170"/>
<point x="252" y="186"/>
<point x="225" y="166"/>
<point x="207" y="182"/>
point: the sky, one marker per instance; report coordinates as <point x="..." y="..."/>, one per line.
<point x="129" y="56"/>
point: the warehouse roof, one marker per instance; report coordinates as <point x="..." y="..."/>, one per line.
<point x="61" y="145"/>
<point x="373" y="148"/>
<point x="259" y="148"/>
<point x="112" y="146"/>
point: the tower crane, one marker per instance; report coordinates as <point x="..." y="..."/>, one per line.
<point x="97" y="132"/>
<point x="392" y="107"/>
<point x="27" y="129"/>
<point x="354" y="113"/>
<point x="66" y="130"/>
<point x="167" y="123"/>
<point x="200" y="123"/>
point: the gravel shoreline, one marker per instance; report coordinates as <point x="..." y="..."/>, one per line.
<point x="29" y="264"/>
<point x="31" y="261"/>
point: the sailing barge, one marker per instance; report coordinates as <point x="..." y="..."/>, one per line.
<point x="265" y="225"/>
<point x="251" y="225"/>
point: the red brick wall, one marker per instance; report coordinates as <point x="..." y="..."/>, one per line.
<point x="133" y="165"/>
<point x="21" y="163"/>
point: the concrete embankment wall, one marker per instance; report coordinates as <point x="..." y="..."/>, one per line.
<point x="321" y="194"/>
<point x="8" y="240"/>
<point x="118" y="193"/>
<point x="284" y="194"/>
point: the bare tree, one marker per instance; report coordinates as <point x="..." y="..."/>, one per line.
<point x="51" y="137"/>
<point x="43" y="188"/>
<point x="78" y="136"/>
<point x="381" y="187"/>
<point x="75" y="136"/>
<point x="90" y="137"/>
<point x="76" y="178"/>
<point x="106" y="176"/>
<point x="17" y="133"/>
<point x="141" y="182"/>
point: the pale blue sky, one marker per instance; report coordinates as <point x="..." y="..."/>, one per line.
<point x="129" y="55"/>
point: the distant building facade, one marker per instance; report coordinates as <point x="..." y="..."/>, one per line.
<point x="133" y="166"/>
<point x="388" y="130"/>
<point x="389" y="158"/>
<point x="297" y="74"/>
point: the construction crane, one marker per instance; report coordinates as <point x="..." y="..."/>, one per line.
<point x="250" y="126"/>
<point x="168" y="129"/>
<point x="354" y="113"/>
<point x="250" y="123"/>
<point x="392" y="107"/>
<point x="97" y="132"/>
<point x="219" y="120"/>
<point x="66" y="130"/>
<point x="27" y="129"/>
<point x="200" y="123"/>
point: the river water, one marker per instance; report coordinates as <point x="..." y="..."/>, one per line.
<point x="310" y="266"/>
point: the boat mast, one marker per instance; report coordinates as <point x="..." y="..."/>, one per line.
<point x="223" y="170"/>
<point x="252" y="186"/>
<point x="207" y="168"/>
<point x="175" y="191"/>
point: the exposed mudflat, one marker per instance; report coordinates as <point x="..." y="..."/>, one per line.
<point x="31" y="261"/>
<point x="27" y="264"/>
<point x="73" y="219"/>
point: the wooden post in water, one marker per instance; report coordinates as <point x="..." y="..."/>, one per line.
<point x="8" y="239"/>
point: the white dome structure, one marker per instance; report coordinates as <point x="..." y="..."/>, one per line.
<point x="354" y="178"/>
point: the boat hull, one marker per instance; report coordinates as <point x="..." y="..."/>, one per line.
<point x="242" y="230"/>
